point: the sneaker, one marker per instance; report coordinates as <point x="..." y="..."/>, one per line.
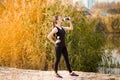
<point x="73" y="74"/>
<point x="58" y="76"/>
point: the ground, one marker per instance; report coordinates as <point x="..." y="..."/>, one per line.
<point x="23" y="74"/>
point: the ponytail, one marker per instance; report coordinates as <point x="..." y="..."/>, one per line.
<point x="53" y="24"/>
<point x="55" y="21"/>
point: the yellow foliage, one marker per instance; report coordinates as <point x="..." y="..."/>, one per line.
<point x="20" y="38"/>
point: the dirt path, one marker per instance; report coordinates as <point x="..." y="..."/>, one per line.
<point x="20" y="74"/>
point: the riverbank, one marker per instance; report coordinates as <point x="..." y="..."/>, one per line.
<point x="23" y="74"/>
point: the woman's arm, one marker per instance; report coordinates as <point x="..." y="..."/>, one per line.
<point x="69" y="28"/>
<point x="50" y="35"/>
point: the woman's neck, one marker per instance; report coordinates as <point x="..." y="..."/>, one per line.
<point x="58" y="25"/>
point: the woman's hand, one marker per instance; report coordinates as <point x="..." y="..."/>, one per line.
<point x="69" y="21"/>
<point x="51" y="34"/>
<point x="57" y="41"/>
<point x="70" y="27"/>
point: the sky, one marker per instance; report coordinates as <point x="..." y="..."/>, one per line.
<point x="109" y="0"/>
<point x="85" y="1"/>
<point x="100" y="0"/>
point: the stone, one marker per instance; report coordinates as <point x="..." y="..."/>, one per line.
<point x="22" y="74"/>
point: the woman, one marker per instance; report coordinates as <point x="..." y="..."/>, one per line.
<point x="60" y="48"/>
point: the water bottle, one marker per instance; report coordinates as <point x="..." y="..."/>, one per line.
<point x="66" y="18"/>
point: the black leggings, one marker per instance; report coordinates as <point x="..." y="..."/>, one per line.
<point x="61" y="50"/>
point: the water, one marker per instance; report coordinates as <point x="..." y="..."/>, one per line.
<point x="110" y="62"/>
<point x="109" y="70"/>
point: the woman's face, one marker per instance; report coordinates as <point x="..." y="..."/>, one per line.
<point x="59" y="19"/>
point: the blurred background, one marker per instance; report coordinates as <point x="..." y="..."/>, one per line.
<point x="93" y="45"/>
